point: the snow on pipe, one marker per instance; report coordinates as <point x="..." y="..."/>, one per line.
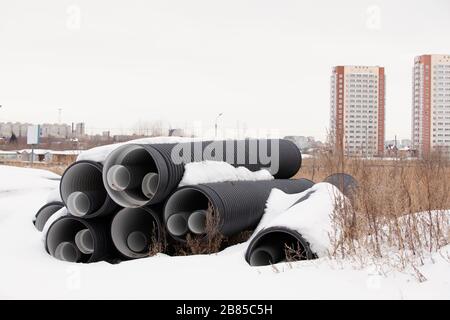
<point x="74" y="239"/>
<point x="159" y="174"/>
<point x="238" y="205"/>
<point x="134" y="229"/>
<point x="45" y="213"/>
<point x="83" y="192"/>
<point x="274" y="239"/>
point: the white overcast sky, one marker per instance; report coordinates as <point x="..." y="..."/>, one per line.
<point x="263" y="63"/>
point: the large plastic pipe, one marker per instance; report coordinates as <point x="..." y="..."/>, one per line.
<point x="237" y="206"/>
<point x="67" y="251"/>
<point x="83" y="192"/>
<point x="150" y="184"/>
<point x="82" y="204"/>
<point x="133" y="230"/>
<point x="344" y="182"/>
<point x="266" y="255"/>
<point x="177" y="224"/>
<point x="160" y="173"/>
<point x="277" y="244"/>
<point x="90" y="237"/>
<point x="45" y="213"/>
<point x="121" y="178"/>
<point x="85" y="241"/>
<point x="270" y="245"/>
<point x="197" y="222"/>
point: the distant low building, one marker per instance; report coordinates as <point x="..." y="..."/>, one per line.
<point x="303" y="143"/>
<point x="176" y="133"/>
<point x="46" y="156"/>
<point x="8" y="155"/>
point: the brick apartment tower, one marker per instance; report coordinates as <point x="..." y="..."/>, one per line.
<point x="431" y="104"/>
<point x="358" y="110"/>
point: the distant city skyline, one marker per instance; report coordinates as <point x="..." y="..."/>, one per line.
<point x="263" y="64"/>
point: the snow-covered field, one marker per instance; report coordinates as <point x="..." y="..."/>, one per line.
<point x="27" y="272"/>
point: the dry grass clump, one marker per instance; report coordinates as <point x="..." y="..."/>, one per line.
<point x="212" y="242"/>
<point x="158" y="241"/>
<point x="398" y="212"/>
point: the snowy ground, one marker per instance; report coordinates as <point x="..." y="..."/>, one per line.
<point x="27" y="272"/>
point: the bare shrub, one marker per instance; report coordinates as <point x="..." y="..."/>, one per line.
<point x="213" y="241"/>
<point x="398" y="212"/>
<point x="294" y="253"/>
<point x="158" y="244"/>
<point x="209" y="243"/>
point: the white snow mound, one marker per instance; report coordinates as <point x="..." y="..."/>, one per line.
<point x="312" y="218"/>
<point x="218" y="171"/>
<point x="100" y="154"/>
<point x="15" y="179"/>
<point x="54" y="196"/>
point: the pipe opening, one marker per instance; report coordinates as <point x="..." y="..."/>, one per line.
<point x="137" y="241"/>
<point x="121" y="178"/>
<point x="67" y="251"/>
<point x="150" y="184"/>
<point x="197" y="222"/>
<point x="278" y="246"/>
<point x="177" y="224"/>
<point x="85" y="241"/>
<point x="81" y="204"/>
<point x="45" y="213"/>
<point x="82" y="189"/>
<point x="186" y="200"/>
<point x="261" y="258"/>
<point x="65" y="230"/>
<point x="125" y="171"/>
<point x="133" y="230"/>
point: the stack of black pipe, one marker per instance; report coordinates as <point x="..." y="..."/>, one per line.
<point x="119" y="208"/>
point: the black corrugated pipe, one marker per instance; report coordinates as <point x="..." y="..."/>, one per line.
<point x="237" y="206"/>
<point x="133" y="230"/>
<point x="140" y="175"/>
<point x="269" y="245"/>
<point x="344" y="182"/>
<point x="83" y="192"/>
<point x="45" y="213"/>
<point x="74" y="239"/>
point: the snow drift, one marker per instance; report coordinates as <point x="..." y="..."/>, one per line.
<point x="305" y="218"/>
<point x="217" y="171"/>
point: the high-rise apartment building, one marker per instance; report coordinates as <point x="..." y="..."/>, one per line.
<point x="358" y="110"/>
<point x="431" y="104"/>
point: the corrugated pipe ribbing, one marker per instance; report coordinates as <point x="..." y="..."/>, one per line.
<point x="73" y="239"/>
<point x="45" y="213"/>
<point x="83" y="192"/>
<point x="140" y="175"/>
<point x="134" y="230"/>
<point x="237" y="206"/>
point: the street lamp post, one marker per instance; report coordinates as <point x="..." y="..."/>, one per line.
<point x="216" y="125"/>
